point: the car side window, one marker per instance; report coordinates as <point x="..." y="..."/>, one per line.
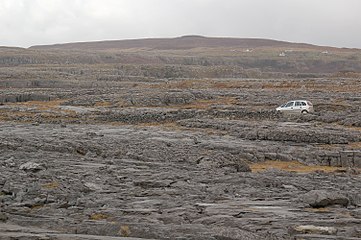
<point x="304" y="104"/>
<point x="298" y="104"/>
<point x="290" y="104"/>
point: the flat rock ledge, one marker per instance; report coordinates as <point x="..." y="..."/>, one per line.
<point x="11" y="232"/>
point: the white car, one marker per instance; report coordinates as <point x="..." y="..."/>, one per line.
<point x="296" y="106"/>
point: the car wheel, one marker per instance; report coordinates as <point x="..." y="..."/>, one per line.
<point x="304" y="111"/>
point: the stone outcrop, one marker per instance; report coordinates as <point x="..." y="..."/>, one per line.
<point x="152" y="151"/>
<point x="318" y="198"/>
<point x="151" y="183"/>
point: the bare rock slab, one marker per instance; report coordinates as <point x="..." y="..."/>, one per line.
<point x="322" y="198"/>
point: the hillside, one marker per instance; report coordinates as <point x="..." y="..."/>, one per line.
<point x="185" y="42"/>
<point x="191" y="56"/>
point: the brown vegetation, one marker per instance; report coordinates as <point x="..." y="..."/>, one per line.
<point x="291" y="167"/>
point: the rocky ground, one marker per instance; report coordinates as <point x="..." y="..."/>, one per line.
<point x="169" y="152"/>
<point x="153" y="183"/>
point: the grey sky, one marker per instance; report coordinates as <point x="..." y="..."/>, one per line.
<point x="322" y="22"/>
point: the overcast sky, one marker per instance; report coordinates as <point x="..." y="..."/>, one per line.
<point x="323" y="22"/>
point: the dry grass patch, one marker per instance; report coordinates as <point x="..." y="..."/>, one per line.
<point x="355" y="145"/>
<point x="2" y="116"/>
<point x="51" y="185"/>
<point x="42" y="105"/>
<point x="103" y="104"/>
<point x="354" y="128"/>
<point x="169" y="126"/>
<point x="18" y="116"/>
<point x="318" y="210"/>
<point x="312" y="85"/>
<point x="124" y="231"/>
<point x="228" y="84"/>
<point x="291" y="166"/>
<point x="30" y="116"/>
<point x="32" y="110"/>
<point x="98" y="216"/>
<point x="36" y="207"/>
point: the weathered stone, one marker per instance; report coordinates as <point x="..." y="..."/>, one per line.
<point x="224" y="160"/>
<point x="153" y="184"/>
<point x="357" y="159"/>
<point x="322" y="198"/>
<point x="347" y="158"/>
<point x="355" y="199"/>
<point x="10" y="162"/>
<point x="92" y="186"/>
<point x="31" y="166"/>
<point x="3" y="217"/>
<point x="311" y="229"/>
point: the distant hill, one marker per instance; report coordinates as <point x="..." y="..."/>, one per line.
<point x="189" y="54"/>
<point x="181" y="43"/>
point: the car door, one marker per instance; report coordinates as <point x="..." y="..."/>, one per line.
<point x="289" y="107"/>
<point x="298" y="107"/>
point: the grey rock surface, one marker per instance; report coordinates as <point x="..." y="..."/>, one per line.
<point x="162" y="184"/>
<point x="31" y="166"/>
<point x="116" y="152"/>
<point x="322" y="198"/>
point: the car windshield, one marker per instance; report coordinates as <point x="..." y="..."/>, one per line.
<point x="289" y="104"/>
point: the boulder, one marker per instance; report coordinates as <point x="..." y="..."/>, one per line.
<point x="224" y="160"/>
<point x="322" y="198"/>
